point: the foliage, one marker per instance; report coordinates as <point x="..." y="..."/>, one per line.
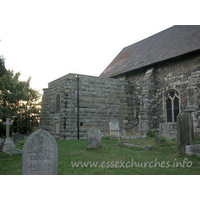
<point x="106" y="137"/>
<point x="197" y="140"/>
<point x="163" y="139"/>
<point x="152" y="133"/>
<point x="2" y="67"/>
<point x="18" y="102"/>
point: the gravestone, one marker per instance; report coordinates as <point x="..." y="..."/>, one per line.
<point x="19" y="137"/>
<point x="164" y="129"/>
<point x="8" y="144"/>
<point x="40" y="154"/>
<point x="94" y="138"/>
<point x="114" y="129"/>
<point x="185" y="133"/>
<point x="193" y="149"/>
<point x="1" y="144"/>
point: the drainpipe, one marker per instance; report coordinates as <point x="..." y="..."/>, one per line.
<point x="77" y="80"/>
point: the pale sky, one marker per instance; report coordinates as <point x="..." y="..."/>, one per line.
<point x="47" y="39"/>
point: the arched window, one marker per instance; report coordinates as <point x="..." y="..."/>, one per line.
<point x="57" y="103"/>
<point x="172" y="105"/>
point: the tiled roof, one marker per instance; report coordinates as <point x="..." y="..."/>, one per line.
<point x="170" y="43"/>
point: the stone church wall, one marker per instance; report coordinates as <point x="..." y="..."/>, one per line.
<point x="101" y="100"/>
<point x="181" y="74"/>
<point x="135" y="99"/>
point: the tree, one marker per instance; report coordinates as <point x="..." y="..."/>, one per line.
<point x="2" y="67"/>
<point x="18" y="101"/>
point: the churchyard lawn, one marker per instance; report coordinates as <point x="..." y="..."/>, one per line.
<point x="114" y="158"/>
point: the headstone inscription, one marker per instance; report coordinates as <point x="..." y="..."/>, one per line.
<point x="40" y="154"/>
<point x="8" y="144"/>
<point x="185" y="133"/>
<point x="94" y="138"/>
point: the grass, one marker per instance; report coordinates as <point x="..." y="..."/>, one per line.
<point x="112" y="158"/>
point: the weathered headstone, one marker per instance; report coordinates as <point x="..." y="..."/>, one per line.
<point x="193" y="149"/>
<point x="158" y="138"/>
<point x="19" y="137"/>
<point x="185" y="133"/>
<point x="40" y="154"/>
<point x="8" y="144"/>
<point x="94" y="138"/>
<point x="164" y="129"/>
<point x="114" y="129"/>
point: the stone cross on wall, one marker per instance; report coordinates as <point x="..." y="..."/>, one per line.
<point x="7" y="123"/>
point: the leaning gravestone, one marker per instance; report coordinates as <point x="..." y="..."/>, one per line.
<point x="94" y="138"/>
<point x="40" y="154"/>
<point x="185" y="133"/>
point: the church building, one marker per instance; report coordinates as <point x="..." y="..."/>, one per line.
<point x="148" y="83"/>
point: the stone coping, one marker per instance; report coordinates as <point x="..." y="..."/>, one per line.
<point x="136" y="145"/>
<point x="13" y="152"/>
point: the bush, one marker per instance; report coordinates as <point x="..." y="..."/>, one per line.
<point x="106" y="137"/>
<point x="152" y="133"/>
<point x="163" y="139"/>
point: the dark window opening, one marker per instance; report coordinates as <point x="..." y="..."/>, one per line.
<point x="172" y="106"/>
<point x="169" y="110"/>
